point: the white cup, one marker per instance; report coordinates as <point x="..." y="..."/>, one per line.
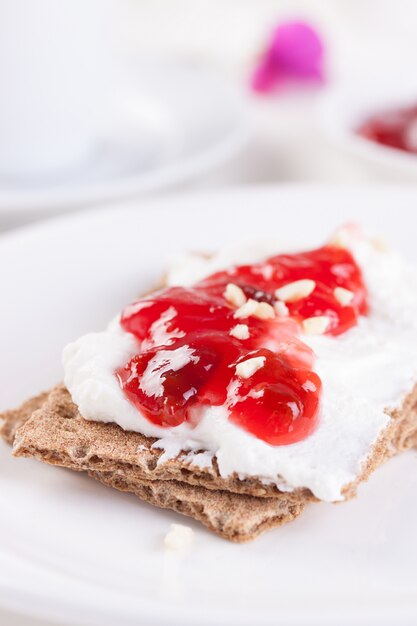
<point x="54" y="59"/>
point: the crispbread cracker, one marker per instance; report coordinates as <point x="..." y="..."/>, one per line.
<point x="50" y="428"/>
<point x="233" y="516"/>
<point x="11" y="420"/>
<point x="398" y="436"/>
<point x="59" y="435"/>
<point x="237" y="517"/>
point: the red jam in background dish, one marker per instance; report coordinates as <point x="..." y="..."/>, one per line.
<point x="235" y="339"/>
<point x="394" y="129"/>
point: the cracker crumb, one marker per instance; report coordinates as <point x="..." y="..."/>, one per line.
<point x="240" y="331"/>
<point x="343" y="296"/>
<point x="234" y="295"/>
<point x="296" y="290"/>
<point x="179" y="537"/>
<point x="316" y="325"/>
<point x="247" y="368"/>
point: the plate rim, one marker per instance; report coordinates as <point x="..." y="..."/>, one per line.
<point x="53" y="202"/>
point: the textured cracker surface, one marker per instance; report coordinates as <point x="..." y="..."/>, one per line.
<point x="50" y="428"/>
<point x="17" y="417"/>
<point x="237" y="517"/>
<point x="59" y="432"/>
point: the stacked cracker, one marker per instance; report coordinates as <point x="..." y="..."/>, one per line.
<point x="50" y="428"/>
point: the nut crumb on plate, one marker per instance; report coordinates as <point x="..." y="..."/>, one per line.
<point x="179" y="537"/>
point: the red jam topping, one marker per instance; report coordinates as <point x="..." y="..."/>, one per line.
<point x="395" y="129"/>
<point x="197" y="350"/>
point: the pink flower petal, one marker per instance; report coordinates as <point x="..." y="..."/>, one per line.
<point x="295" y="53"/>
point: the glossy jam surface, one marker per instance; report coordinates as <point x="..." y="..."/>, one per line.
<point x="329" y="267"/>
<point x="394" y="129"/>
<point x="192" y="346"/>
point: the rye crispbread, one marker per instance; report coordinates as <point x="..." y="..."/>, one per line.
<point x="59" y="435"/>
<point x="50" y="428"/>
<point x="233" y="516"/>
<point x="11" y="420"/>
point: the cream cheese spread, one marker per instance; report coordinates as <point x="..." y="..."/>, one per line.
<point x="365" y="372"/>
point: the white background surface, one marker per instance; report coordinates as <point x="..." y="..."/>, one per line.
<point x="171" y="122"/>
<point x="77" y="551"/>
<point x="370" y="39"/>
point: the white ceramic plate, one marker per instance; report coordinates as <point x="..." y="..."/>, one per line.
<point x="345" y="106"/>
<point x="171" y="123"/>
<point x="77" y="552"/>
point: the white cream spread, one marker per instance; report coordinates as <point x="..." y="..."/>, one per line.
<point x="365" y="371"/>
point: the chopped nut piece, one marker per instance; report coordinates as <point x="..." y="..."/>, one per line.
<point x="240" y="331"/>
<point x="296" y="291"/>
<point x="342" y="237"/>
<point x="234" y="295"/>
<point x="343" y="296"/>
<point x="380" y="244"/>
<point x="261" y="310"/>
<point x="281" y="308"/>
<point x="179" y="537"/>
<point x="247" y="368"/>
<point x="316" y="325"/>
<point x="247" y="309"/>
<point x="264" y="311"/>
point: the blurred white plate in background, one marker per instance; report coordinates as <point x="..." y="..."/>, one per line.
<point x="347" y="105"/>
<point x="77" y="552"/>
<point x="172" y="123"/>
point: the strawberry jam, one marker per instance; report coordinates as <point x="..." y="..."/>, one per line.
<point x="394" y="129"/>
<point x="199" y="348"/>
<point x="329" y="267"/>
